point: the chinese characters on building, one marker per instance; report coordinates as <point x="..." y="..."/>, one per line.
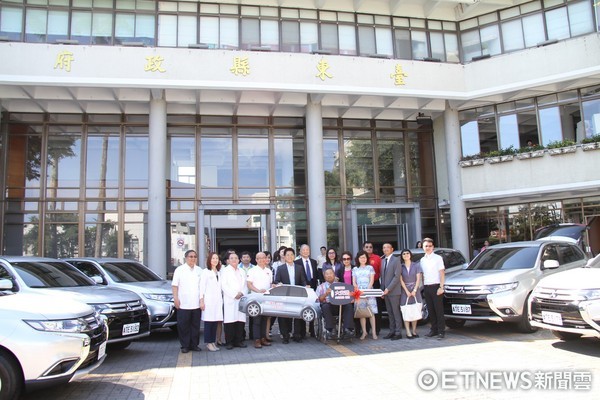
<point x="322" y="67"/>
<point x="241" y="66"/>
<point x="154" y="64"/>
<point x="64" y="60"/>
<point x="398" y="75"/>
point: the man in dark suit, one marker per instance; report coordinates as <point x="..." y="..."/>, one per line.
<point x="309" y="266"/>
<point x="391" y="269"/>
<point x="289" y="274"/>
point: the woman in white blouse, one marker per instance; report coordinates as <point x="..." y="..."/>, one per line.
<point x="211" y="300"/>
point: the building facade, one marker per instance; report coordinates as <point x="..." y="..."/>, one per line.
<point x="141" y="129"/>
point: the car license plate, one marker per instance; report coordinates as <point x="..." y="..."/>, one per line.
<point x="130" y="329"/>
<point x="101" y="350"/>
<point x="552" y="318"/>
<point x="461" y="309"/>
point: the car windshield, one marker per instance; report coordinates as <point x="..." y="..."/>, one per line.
<point x="505" y="258"/>
<point x="50" y="274"/>
<point x="124" y="272"/>
<point x="571" y="231"/>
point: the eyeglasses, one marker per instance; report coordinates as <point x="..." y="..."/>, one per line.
<point x="346" y="259"/>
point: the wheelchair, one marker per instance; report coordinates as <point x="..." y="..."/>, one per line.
<point x="338" y="334"/>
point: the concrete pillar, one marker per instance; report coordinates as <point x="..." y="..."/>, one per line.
<point x="315" y="178"/>
<point x="157" y="188"/>
<point x="458" y="212"/>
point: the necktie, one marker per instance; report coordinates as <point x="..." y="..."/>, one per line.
<point x="308" y="274"/>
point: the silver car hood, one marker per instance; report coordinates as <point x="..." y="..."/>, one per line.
<point x="154" y="287"/>
<point x="92" y="294"/>
<point x="481" y="277"/>
<point x="42" y="306"/>
<point x="577" y="278"/>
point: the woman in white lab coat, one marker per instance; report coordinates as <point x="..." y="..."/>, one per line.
<point x="233" y="283"/>
<point x="211" y="300"/>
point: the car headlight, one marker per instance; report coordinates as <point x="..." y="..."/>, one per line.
<point x="591" y="294"/>
<point x="76" y="325"/>
<point x="505" y="287"/>
<point x="159" y="297"/>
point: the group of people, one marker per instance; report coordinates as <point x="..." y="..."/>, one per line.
<point x="212" y="293"/>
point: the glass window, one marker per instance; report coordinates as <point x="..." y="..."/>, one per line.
<point x="557" y="23"/>
<point x="452" y="53"/>
<point x="253" y="162"/>
<point x="359" y="165"/>
<point x="182" y="166"/>
<point x="533" y="29"/>
<point x="167" y="30"/>
<point x="469" y="134"/>
<point x="250" y="33"/>
<point x="392" y="165"/>
<point x="228" y="33"/>
<point x="309" y="37"/>
<point x="144" y="29"/>
<point x="58" y="25"/>
<point x="35" y="25"/>
<point x="366" y="39"/>
<point x="581" y="20"/>
<point x="329" y="38"/>
<point x="420" y="48"/>
<point x="11" y="22"/>
<point x="550" y="125"/>
<point x="81" y="26"/>
<point x="124" y="28"/>
<point x="490" y="40"/>
<point x="383" y="38"/>
<point x="269" y="34"/>
<point x="216" y="162"/>
<point x="512" y="35"/>
<point x="591" y="113"/>
<point x="470" y="45"/>
<point x="209" y="31"/>
<point x="290" y="36"/>
<point x="347" y="40"/>
<point x="331" y="164"/>
<point x="102" y="28"/>
<point x="64" y="155"/>
<point x="437" y="46"/>
<point x="136" y="161"/>
<point x="186" y="30"/>
<point x="102" y="159"/>
<point x="403" y="45"/>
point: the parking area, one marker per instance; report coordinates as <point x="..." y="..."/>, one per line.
<point x="472" y="362"/>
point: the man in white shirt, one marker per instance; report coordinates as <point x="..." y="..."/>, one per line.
<point x="433" y="280"/>
<point x="259" y="281"/>
<point x="233" y="282"/>
<point x="186" y="295"/>
<point x="321" y="258"/>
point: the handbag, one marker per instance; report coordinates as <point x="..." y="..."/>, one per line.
<point x="411" y="312"/>
<point x="363" y="312"/>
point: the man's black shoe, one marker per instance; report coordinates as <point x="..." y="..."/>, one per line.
<point x="389" y="335"/>
<point x="185" y="350"/>
<point x="196" y="348"/>
<point x="396" y="337"/>
<point x="297" y="340"/>
<point x="241" y="345"/>
<point x="441" y="336"/>
<point x="285" y="341"/>
<point x="229" y="346"/>
<point x="431" y="334"/>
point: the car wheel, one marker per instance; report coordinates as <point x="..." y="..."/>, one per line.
<point x="308" y="314"/>
<point x="119" y="345"/>
<point x="524" y="325"/>
<point x="11" y="381"/>
<point x="566" y="336"/>
<point x="424" y="315"/>
<point x="455" y="323"/>
<point x="253" y="310"/>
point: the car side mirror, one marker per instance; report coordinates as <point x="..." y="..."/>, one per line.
<point x="551" y="264"/>
<point x="6" y="284"/>
<point x="97" y="279"/>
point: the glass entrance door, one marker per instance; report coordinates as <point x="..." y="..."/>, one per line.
<point x="398" y="224"/>
<point x="248" y="227"/>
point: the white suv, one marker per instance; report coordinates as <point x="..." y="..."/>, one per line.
<point x="45" y="340"/>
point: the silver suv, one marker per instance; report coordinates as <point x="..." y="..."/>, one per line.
<point x="497" y="283"/>
<point x="126" y="313"/>
<point x="46" y="340"/>
<point x="131" y="275"/>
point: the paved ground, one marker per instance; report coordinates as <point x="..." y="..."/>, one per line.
<point x="479" y="353"/>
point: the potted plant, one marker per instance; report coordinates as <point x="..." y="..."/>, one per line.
<point x="530" y="151"/>
<point x="561" y="147"/>
<point x="473" y="159"/>
<point x="591" y="143"/>
<point x="501" y="155"/>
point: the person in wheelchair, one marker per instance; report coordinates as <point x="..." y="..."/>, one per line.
<point x="329" y="311"/>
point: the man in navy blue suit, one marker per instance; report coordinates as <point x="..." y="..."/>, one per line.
<point x="290" y="274"/>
